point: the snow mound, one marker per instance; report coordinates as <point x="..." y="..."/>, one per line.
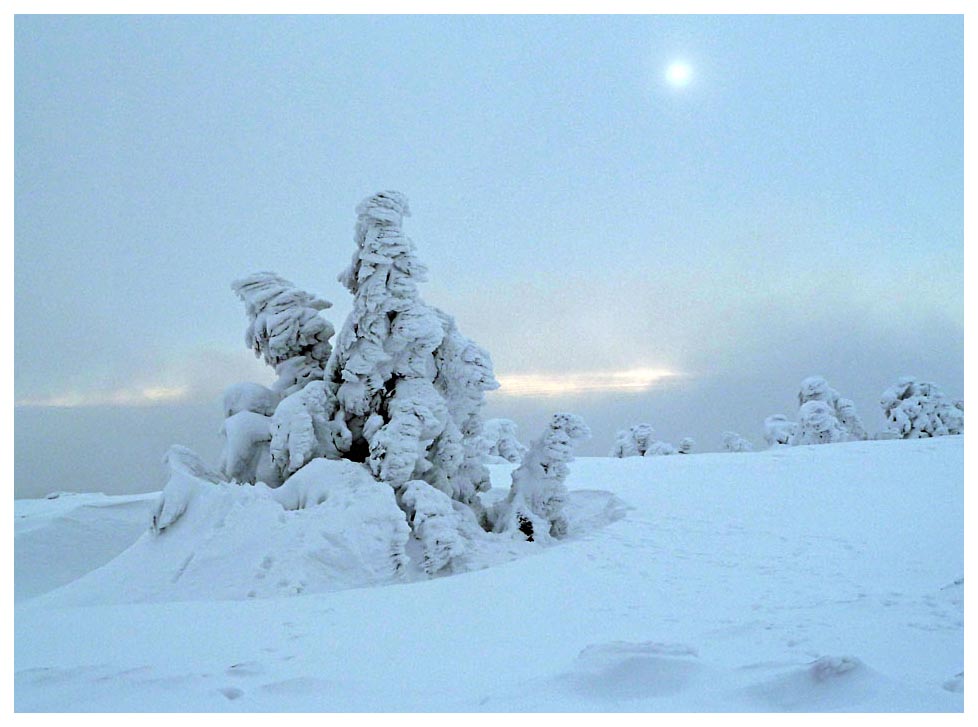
<point x="331" y="527"/>
<point x="827" y="684"/>
<point x="620" y="670"/>
<point x="61" y="539"/>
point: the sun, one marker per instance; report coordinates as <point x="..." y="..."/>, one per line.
<point x="679" y="74"/>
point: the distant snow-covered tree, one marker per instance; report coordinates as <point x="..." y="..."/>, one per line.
<point x="659" y="448"/>
<point x="500" y="436"/>
<point x="915" y="409"/>
<point x="733" y="442"/>
<point x="286" y="329"/>
<point x="817" y="424"/>
<point x="534" y="506"/>
<point x="686" y="445"/>
<point x="778" y="430"/>
<point x="816" y="388"/>
<point x="634" y="441"/>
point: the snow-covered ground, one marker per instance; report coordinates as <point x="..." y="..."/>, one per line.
<point x="814" y="578"/>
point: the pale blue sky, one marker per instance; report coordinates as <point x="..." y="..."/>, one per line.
<point x="796" y="209"/>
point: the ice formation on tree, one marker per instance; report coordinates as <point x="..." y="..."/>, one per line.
<point x="686" y="445"/>
<point x="500" y="437"/>
<point x="817" y="424"/>
<point x="534" y="505"/>
<point x="778" y="430"/>
<point x="915" y="409"/>
<point x="816" y="388"/>
<point x="286" y="329"/>
<point x="733" y="442"/>
<point x="408" y="386"/>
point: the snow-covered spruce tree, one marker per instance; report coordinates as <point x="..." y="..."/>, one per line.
<point x="733" y="442"/>
<point x="816" y="388"/>
<point x="915" y="409"/>
<point x="408" y="386"/>
<point x="817" y="424"/>
<point x="500" y="436"/>
<point x="534" y="506"/>
<point x="686" y="445"/>
<point x="634" y="441"/>
<point x="286" y="329"/>
<point x="778" y="430"/>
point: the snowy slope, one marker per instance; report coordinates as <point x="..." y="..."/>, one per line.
<point x="821" y="578"/>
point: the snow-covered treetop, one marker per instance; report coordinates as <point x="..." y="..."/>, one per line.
<point x="286" y="329"/>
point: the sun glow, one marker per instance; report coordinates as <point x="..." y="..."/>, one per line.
<point x="562" y="384"/>
<point x="679" y="74"/>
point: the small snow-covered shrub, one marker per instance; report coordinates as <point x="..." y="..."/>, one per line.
<point x="500" y="436"/>
<point x="816" y="388"/>
<point x="534" y="506"/>
<point x="434" y="523"/>
<point x="817" y="424"/>
<point x="778" y="430"/>
<point x="733" y="442"/>
<point x="686" y="445"/>
<point x="915" y="409"/>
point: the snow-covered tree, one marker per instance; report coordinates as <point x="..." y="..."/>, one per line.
<point x="686" y="445"/>
<point x="409" y="387"/>
<point x="634" y="441"/>
<point x="778" y="430"/>
<point x="733" y="442"/>
<point x="500" y="436"/>
<point x="817" y="424"/>
<point x="659" y="448"/>
<point x="534" y="506"/>
<point x="816" y="388"/>
<point x="285" y="329"/>
<point x="915" y="409"/>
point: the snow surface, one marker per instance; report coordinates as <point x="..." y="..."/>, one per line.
<point x="810" y="578"/>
